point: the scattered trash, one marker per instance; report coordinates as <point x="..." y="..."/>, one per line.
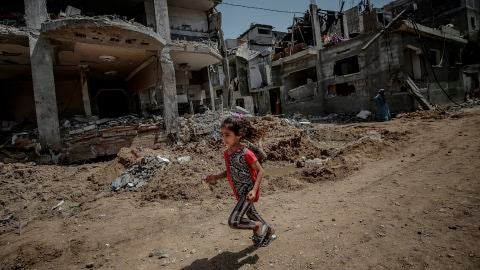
<point x="7" y="219"/>
<point x="58" y="205"/>
<point x="138" y="175"/>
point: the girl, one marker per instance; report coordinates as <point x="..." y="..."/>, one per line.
<point x="244" y="173"/>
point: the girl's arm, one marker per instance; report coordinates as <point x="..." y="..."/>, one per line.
<point x="260" y="171"/>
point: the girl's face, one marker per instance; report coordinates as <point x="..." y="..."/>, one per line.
<point x="229" y="138"/>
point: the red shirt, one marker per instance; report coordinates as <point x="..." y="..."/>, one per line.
<point x="244" y="159"/>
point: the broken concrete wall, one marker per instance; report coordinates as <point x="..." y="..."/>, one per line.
<point x="188" y="23"/>
<point x="262" y="102"/>
<point x="378" y="67"/>
<point x="298" y="71"/>
<point x="303" y="92"/>
<point x="444" y="55"/>
<point x="261" y="35"/>
<point x="242" y="75"/>
<point x="259" y="74"/>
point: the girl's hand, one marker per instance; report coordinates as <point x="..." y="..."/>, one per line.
<point x="252" y="194"/>
<point x="211" y="179"/>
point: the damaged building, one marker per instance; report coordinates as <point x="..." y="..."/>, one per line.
<point x="67" y="69"/>
<point x="335" y="62"/>
<point x="250" y="61"/>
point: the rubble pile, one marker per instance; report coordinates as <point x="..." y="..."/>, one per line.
<point x="206" y="124"/>
<point x="80" y="125"/>
<point x="138" y="175"/>
<point x="470" y="103"/>
<point x="204" y="44"/>
<point x="337" y="118"/>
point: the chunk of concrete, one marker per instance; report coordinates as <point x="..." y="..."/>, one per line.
<point x="121" y="181"/>
<point x="364" y="114"/>
<point x="240" y="110"/>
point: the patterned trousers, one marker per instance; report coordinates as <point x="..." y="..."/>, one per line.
<point x="244" y="207"/>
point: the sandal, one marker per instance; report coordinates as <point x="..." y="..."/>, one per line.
<point x="270" y="237"/>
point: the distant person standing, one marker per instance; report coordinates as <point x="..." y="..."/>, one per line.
<point x="383" y="110"/>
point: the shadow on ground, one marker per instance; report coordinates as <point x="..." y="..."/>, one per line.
<point x="226" y="260"/>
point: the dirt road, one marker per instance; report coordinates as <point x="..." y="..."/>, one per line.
<point x="414" y="206"/>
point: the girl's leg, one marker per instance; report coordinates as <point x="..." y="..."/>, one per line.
<point x="254" y="215"/>
<point x="237" y="219"/>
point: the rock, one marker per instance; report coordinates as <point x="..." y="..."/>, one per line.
<point x="184" y="159"/>
<point x="165" y="262"/>
<point x="160" y="254"/>
<point x="453" y="227"/>
<point x="364" y="114"/>
<point x="7" y="219"/>
<point x="163" y="160"/>
<point x="89" y="265"/>
<point x="240" y="110"/>
<point x="121" y="181"/>
<point x="66" y="124"/>
<point x="300" y="163"/>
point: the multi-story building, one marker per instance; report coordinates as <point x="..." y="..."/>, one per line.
<point x="336" y="63"/>
<point x="64" y="58"/>
<point x="463" y="15"/>
<point x="250" y="58"/>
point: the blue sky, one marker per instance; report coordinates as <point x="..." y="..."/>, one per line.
<point x="236" y="19"/>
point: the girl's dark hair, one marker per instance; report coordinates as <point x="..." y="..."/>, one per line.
<point x="241" y="126"/>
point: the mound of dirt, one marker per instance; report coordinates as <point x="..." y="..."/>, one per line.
<point x="293" y="148"/>
<point x="31" y="191"/>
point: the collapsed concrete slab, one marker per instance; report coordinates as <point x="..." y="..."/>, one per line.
<point x="106" y="30"/>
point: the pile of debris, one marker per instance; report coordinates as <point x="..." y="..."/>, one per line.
<point x="470" y="103"/>
<point x="139" y="174"/>
<point x="206" y="124"/>
<point x="80" y="125"/>
<point x="196" y="45"/>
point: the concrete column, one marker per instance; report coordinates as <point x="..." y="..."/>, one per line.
<point x="35" y="13"/>
<point x="167" y="75"/>
<point x="210" y="89"/>
<point x="169" y="86"/>
<point x="345" y="25"/>
<point x="317" y="31"/>
<point x="42" y="75"/>
<point x="226" y="70"/>
<point x="162" y="25"/>
<point x="85" y="92"/>
<point x="150" y="13"/>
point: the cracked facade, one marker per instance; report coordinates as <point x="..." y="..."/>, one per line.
<point x="61" y="59"/>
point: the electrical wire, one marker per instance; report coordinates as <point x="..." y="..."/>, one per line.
<point x="260" y="8"/>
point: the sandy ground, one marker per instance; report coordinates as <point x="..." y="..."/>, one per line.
<point x="398" y="195"/>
